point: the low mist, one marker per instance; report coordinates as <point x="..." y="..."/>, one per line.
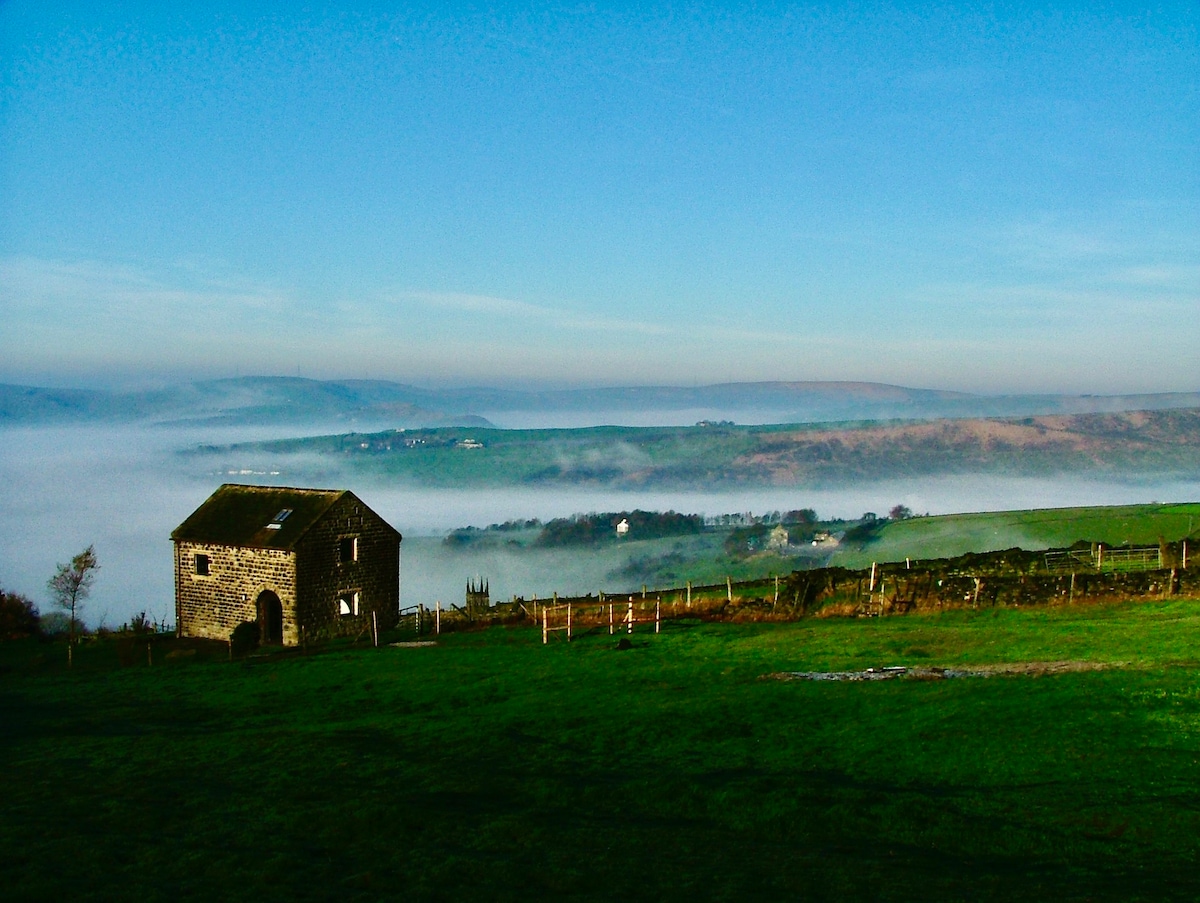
<point x="125" y="488"/>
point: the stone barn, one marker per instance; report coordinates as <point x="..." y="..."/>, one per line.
<point x="300" y="563"/>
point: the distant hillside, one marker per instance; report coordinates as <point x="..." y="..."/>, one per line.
<point x="372" y="404"/>
<point x="1130" y="444"/>
<point x="258" y="400"/>
<point x="1134" y="442"/>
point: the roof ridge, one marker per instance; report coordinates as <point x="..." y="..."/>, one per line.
<point x="282" y="488"/>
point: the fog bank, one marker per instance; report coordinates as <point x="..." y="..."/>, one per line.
<point x="124" y="489"/>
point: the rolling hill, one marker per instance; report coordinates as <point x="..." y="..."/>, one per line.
<point x="373" y="404"/>
<point x="1128" y="444"/>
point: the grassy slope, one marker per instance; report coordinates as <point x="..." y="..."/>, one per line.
<point x="956" y="534"/>
<point x="796" y="455"/>
<point x="661" y="563"/>
<point x="492" y="767"/>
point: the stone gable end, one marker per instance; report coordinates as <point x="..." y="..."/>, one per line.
<point x="373" y="572"/>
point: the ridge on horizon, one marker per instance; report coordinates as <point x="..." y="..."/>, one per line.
<point x="286" y="399"/>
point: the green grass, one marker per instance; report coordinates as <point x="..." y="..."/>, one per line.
<point x="491" y="767"/>
<point x="949" y="535"/>
<point x="624" y="566"/>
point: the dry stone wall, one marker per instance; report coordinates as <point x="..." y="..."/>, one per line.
<point x="1011" y="577"/>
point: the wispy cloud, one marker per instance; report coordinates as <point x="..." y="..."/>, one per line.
<point x="87" y="317"/>
<point x="103" y="319"/>
<point x="557" y="317"/>
<point x="96" y="291"/>
<point x="1184" y="279"/>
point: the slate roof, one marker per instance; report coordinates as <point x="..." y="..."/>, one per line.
<point x="237" y="515"/>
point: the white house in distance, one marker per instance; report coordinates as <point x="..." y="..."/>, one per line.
<point x="623" y="527"/>
<point x="777" y="539"/>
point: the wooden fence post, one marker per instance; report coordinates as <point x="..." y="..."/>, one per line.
<point x="872" y="589"/>
<point x="689" y="592"/>
<point x="610" y="619"/>
<point x="545" y="628"/>
<point x="437" y="619"/>
<point x="657" y="613"/>
<point x="629" y="616"/>
<point x="568" y="622"/>
<point x="728" y="588"/>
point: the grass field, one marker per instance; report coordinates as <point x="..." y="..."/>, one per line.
<point x="948" y="535"/>
<point x="491" y="767"/>
<point x="625" y="566"/>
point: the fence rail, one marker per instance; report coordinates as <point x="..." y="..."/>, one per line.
<point x="1105" y="560"/>
<point x="589" y="614"/>
<point x="1009" y="577"/>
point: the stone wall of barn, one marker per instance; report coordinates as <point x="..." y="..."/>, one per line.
<point x="323" y="577"/>
<point x="212" y="606"/>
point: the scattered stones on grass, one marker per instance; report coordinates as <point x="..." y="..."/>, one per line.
<point x="1030" y="669"/>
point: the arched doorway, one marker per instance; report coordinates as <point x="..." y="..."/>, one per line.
<point x="270" y="619"/>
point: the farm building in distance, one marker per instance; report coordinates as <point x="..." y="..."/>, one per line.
<point x="301" y="563"/>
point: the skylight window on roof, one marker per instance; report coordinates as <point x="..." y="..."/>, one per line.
<point x="277" y="521"/>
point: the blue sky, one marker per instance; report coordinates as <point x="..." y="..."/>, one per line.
<point x="987" y="198"/>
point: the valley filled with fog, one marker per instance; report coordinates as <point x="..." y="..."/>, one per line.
<point x="125" y="488"/>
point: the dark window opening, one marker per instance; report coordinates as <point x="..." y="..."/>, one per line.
<point x="348" y="550"/>
<point x="348" y="604"/>
<point x="201" y="565"/>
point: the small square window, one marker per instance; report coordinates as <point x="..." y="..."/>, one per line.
<point x="348" y="604"/>
<point x="201" y="565"/>
<point x="348" y="550"/>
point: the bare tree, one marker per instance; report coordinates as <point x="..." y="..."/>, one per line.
<point x="70" y="585"/>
